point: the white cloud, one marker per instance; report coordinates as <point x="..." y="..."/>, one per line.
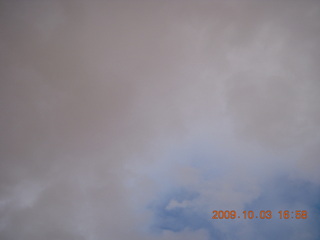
<point x="175" y="204"/>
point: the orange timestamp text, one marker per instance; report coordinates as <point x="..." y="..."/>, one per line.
<point x="263" y="214"/>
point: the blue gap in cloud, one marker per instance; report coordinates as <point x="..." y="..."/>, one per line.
<point x="283" y="192"/>
<point x="177" y="219"/>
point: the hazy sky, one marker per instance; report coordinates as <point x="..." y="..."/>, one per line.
<point x="136" y="119"/>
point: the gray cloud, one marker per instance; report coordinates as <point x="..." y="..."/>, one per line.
<point x="106" y="106"/>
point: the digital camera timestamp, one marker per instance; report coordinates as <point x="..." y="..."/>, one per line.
<point x="263" y="214"/>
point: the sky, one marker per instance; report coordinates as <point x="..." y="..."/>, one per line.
<point x="137" y="119"/>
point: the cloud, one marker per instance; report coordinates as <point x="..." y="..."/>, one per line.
<point x="136" y="119"/>
<point x="174" y="204"/>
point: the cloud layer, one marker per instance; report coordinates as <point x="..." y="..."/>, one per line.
<point x="137" y="119"/>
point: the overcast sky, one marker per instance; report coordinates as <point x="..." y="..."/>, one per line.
<point x="136" y="119"/>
